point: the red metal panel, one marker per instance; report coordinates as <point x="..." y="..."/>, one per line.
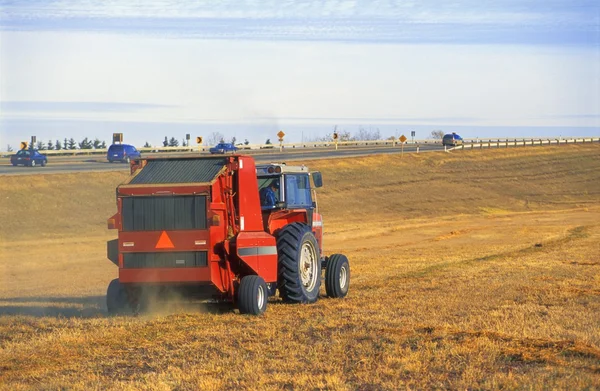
<point x="248" y="198"/>
<point x="146" y="241"/>
<point x="318" y="229"/>
<point x="201" y="274"/>
<point x="281" y="218"/>
<point x="162" y="189"/>
<point x="264" y="262"/>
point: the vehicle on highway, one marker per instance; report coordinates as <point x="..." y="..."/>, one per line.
<point x="122" y="153"/>
<point x="452" y="139"/>
<point x="29" y="157"/>
<point x="223" y="148"/>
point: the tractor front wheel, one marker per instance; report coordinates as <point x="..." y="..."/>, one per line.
<point x="116" y="297"/>
<point x="299" y="265"/>
<point x="252" y="295"/>
<point x="337" y="276"/>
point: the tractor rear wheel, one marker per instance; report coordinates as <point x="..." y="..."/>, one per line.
<point x="299" y="264"/>
<point x="252" y="295"/>
<point x="337" y="276"/>
<point x="116" y="297"/>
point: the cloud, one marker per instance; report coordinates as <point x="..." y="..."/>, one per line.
<point x="429" y="21"/>
<point x="71" y="107"/>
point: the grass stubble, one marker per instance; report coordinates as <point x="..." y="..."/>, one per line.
<point x="471" y="270"/>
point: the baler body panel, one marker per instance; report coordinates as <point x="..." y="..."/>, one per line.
<point x="192" y="220"/>
<point x="258" y="250"/>
<point x="248" y="199"/>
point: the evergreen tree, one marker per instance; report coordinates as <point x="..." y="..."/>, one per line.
<point x="173" y="142"/>
<point x="85" y="144"/>
<point x="166" y="142"/>
<point x="183" y="143"/>
<point x="40" y="146"/>
<point x="96" y="143"/>
<point x="65" y="144"/>
<point x="268" y="141"/>
<point x="246" y="142"/>
<point x="9" y="148"/>
<point x="50" y="145"/>
<point x="147" y="145"/>
<point x="72" y="143"/>
<point x="233" y="140"/>
<point x="58" y="145"/>
<point x="103" y="145"/>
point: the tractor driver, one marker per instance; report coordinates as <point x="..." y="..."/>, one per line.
<point x="268" y="195"/>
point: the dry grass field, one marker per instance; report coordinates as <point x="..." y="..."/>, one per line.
<point x="471" y="270"/>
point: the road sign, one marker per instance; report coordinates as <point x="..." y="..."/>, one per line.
<point x="335" y="135"/>
<point x="402" y="138"/>
<point x="33" y="140"/>
<point x="187" y="136"/>
<point x="412" y="133"/>
<point x="117" y="138"/>
<point x="199" y="140"/>
<point x="24" y="145"/>
<point x="280" y="134"/>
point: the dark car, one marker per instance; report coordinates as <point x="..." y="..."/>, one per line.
<point x="122" y="153"/>
<point x="452" y="139"/>
<point x="223" y="147"/>
<point x="29" y="157"/>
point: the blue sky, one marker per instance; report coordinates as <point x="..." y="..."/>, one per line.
<point x="249" y="68"/>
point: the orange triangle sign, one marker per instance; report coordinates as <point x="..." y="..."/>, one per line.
<point x="164" y="241"/>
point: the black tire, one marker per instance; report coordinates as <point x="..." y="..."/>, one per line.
<point x="252" y="295"/>
<point x="337" y="276"/>
<point x="298" y="277"/>
<point x="116" y="297"/>
<point x="44" y="162"/>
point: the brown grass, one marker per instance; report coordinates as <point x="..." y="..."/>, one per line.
<point x="475" y="270"/>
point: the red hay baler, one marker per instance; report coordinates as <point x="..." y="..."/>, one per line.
<point x="220" y="228"/>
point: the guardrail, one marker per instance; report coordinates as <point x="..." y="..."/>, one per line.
<point x="252" y="148"/>
<point x="505" y="143"/>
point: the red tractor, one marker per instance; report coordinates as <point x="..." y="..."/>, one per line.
<point x="220" y="228"/>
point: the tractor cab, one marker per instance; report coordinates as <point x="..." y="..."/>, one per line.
<point x="286" y="195"/>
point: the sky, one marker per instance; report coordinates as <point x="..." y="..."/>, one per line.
<point x="249" y="68"/>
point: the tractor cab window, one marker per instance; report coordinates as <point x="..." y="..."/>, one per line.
<point x="297" y="191"/>
<point x="268" y="188"/>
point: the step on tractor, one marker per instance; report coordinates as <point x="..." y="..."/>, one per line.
<point x="220" y="229"/>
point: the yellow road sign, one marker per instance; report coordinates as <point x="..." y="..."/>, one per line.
<point x="117" y="138"/>
<point x="199" y="140"/>
<point x="24" y="145"/>
<point x="402" y="138"/>
<point x="335" y="135"/>
<point x="280" y="134"/>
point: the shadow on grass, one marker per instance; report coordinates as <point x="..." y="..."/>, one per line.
<point x="66" y="307"/>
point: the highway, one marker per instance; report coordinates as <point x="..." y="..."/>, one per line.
<point x="70" y="164"/>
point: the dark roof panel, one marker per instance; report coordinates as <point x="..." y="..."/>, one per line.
<point x="163" y="171"/>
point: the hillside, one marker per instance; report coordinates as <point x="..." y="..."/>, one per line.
<point x="470" y="270"/>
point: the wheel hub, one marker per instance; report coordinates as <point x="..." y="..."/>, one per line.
<point x="308" y="266"/>
<point x="343" y="277"/>
<point x="260" y="297"/>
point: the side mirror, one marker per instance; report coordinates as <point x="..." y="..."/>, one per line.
<point x="317" y="179"/>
